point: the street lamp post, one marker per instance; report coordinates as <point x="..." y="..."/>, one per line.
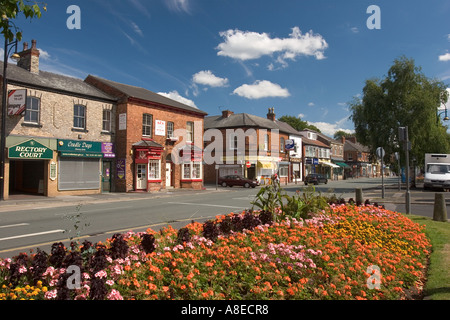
<point x="4" y="102"/>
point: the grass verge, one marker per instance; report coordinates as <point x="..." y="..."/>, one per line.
<point x="437" y="286"/>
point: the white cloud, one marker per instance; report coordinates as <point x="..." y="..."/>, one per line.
<point x="44" y="55"/>
<point x="137" y="29"/>
<point x="445" y="57"/>
<point x="174" y="95"/>
<point x="178" y="5"/>
<point x="300" y="116"/>
<point x="248" y="45"/>
<point x="206" y="77"/>
<point x="261" y="89"/>
<point x="330" y="129"/>
<point x="354" y="30"/>
<point x="311" y="104"/>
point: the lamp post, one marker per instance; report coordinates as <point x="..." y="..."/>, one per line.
<point x="15" y="56"/>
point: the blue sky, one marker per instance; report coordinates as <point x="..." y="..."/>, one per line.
<point x="307" y="58"/>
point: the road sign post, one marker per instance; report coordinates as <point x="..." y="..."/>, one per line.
<point x="380" y="154"/>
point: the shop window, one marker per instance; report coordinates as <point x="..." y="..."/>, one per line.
<point x="284" y="171"/>
<point x="79" y="116"/>
<point x="106" y="126"/>
<point x="154" y="170"/>
<point x="78" y="174"/>
<point x="32" y="112"/>
<point x="192" y="170"/>
<point x="147" y="125"/>
<point x="233" y="142"/>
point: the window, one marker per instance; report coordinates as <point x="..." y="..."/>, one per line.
<point x="190" y="131"/>
<point x="32" y="110"/>
<point x="192" y="170"/>
<point x="106" y="126"/>
<point x="79" y="116"/>
<point x="170" y="129"/>
<point x="147" y="125"/>
<point x="284" y="170"/>
<point x="266" y="142"/>
<point x="282" y="144"/>
<point x="233" y="142"/>
<point x="154" y="170"/>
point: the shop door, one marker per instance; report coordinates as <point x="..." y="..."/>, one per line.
<point x="106" y="177"/>
<point x="168" y="175"/>
<point x="141" y="177"/>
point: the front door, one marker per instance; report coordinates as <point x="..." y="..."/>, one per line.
<point x="106" y="176"/>
<point x="141" y="177"/>
<point x="168" y="175"/>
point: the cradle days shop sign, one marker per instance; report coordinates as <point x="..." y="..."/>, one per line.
<point x="30" y="149"/>
<point x="83" y="149"/>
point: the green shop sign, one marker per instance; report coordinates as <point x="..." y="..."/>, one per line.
<point x="30" y="149"/>
<point x="81" y="149"/>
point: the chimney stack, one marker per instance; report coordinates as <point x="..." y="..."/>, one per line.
<point x="29" y="58"/>
<point x="271" y="114"/>
<point x="227" y="113"/>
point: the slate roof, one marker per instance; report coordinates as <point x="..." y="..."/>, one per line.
<point x="144" y="94"/>
<point x="352" y="146"/>
<point x="49" y="81"/>
<point x="242" y="120"/>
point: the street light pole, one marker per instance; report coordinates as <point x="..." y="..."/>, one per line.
<point x="3" y="130"/>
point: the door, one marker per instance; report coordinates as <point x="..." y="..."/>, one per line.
<point x="106" y="176"/>
<point x="168" y="175"/>
<point x="141" y="176"/>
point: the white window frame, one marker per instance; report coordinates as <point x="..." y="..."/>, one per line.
<point x="266" y="142"/>
<point x="76" y="108"/>
<point x="282" y="144"/>
<point x="157" y="165"/>
<point x="106" y="121"/>
<point x="189" y="131"/>
<point x="146" y="125"/>
<point x="233" y="138"/>
<point x="170" y="131"/>
<point x="29" y="110"/>
<point x="188" y="169"/>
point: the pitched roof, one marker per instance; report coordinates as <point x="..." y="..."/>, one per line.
<point x="242" y="120"/>
<point x="355" y="146"/>
<point x="318" y="143"/>
<point x="49" y="81"/>
<point x="144" y="94"/>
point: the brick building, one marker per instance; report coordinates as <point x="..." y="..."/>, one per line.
<point x="59" y="133"/>
<point x="248" y="146"/>
<point x="159" y="140"/>
<point x="357" y="156"/>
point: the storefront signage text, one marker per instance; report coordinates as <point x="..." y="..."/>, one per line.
<point x="30" y="149"/>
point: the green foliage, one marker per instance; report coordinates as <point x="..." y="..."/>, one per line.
<point x="405" y="97"/>
<point x="301" y="205"/>
<point x="298" y="124"/>
<point x="9" y="10"/>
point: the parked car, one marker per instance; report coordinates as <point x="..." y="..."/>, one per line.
<point x="234" y="180"/>
<point x="315" y="178"/>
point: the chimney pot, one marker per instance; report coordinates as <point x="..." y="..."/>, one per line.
<point x="33" y="44"/>
<point x="227" y="113"/>
<point x="25" y="46"/>
<point x="271" y="114"/>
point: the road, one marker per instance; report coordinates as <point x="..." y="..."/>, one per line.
<point x="40" y="223"/>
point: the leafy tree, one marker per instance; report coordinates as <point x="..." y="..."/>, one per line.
<point x="340" y="133"/>
<point x="298" y="124"/>
<point x="10" y="9"/>
<point x="405" y="97"/>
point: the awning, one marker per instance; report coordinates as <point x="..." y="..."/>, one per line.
<point x="343" y="165"/>
<point x="329" y="164"/>
<point x="265" y="165"/>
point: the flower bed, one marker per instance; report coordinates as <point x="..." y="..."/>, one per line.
<point x="344" y="252"/>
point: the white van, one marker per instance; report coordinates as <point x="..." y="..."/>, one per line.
<point x="437" y="171"/>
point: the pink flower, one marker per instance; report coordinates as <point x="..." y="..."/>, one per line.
<point x="101" y="274"/>
<point x="50" y="294"/>
<point x="114" y="295"/>
<point x="110" y="282"/>
<point x="22" y="269"/>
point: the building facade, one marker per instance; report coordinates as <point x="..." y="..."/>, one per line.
<point x="248" y="146"/>
<point x="316" y="154"/>
<point x="159" y="140"/>
<point x="357" y="157"/>
<point x="59" y="132"/>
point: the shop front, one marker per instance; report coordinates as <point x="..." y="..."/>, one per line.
<point x="29" y="164"/>
<point x="84" y="166"/>
<point x="147" y="165"/>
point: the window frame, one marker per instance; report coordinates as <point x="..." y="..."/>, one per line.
<point x="29" y="100"/>
<point x="189" y="133"/>
<point x="189" y="167"/>
<point x="157" y="164"/>
<point x="146" y="125"/>
<point x="77" y="116"/>
<point x="108" y="122"/>
<point x="170" y="133"/>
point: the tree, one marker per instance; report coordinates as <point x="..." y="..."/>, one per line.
<point x="9" y="9"/>
<point x="298" y="124"/>
<point x="405" y="97"/>
<point x="341" y="133"/>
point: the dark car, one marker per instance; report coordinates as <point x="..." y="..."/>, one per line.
<point x="237" y="181"/>
<point x="315" y="178"/>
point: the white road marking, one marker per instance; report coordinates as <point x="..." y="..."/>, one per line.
<point x="206" y="205"/>
<point x="15" y="225"/>
<point x="32" y="234"/>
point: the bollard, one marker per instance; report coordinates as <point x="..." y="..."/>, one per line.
<point x="440" y="208"/>
<point x="359" y="195"/>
